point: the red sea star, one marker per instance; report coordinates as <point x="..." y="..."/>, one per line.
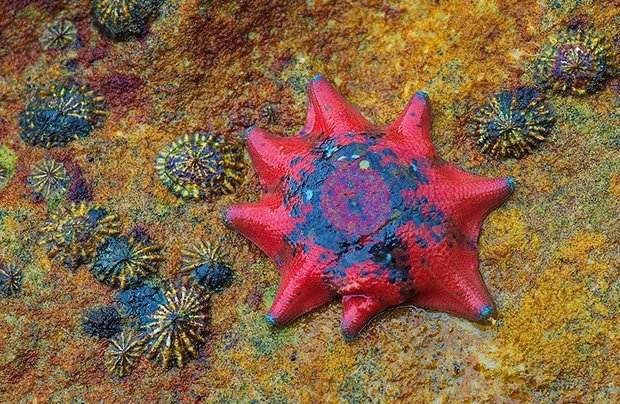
<point x="368" y="213"/>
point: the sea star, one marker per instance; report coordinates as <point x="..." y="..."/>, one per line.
<point x="367" y="212"/>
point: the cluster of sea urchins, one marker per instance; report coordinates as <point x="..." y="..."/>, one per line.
<point x="514" y="122"/>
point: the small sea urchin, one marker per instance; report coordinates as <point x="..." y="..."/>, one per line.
<point x="199" y="164"/>
<point x="124" y="261"/>
<point x="72" y="234"/>
<point x="10" y="280"/>
<point x="574" y="62"/>
<point x="177" y="328"/>
<point x="60" y="114"/>
<point x="59" y="35"/>
<point x="204" y="265"/>
<point x="512" y="123"/>
<point x="49" y="179"/>
<point x="123" y="19"/>
<point x="123" y="353"/>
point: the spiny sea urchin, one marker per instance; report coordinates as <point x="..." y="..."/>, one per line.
<point x="73" y="233"/>
<point x="59" y="35"/>
<point x="49" y="179"/>
<point x="177" y="328"/>
<point x="204" y="265"/>
<point x="574" y="62"/>
<point x="123" y="353"/>
<point x="513" y="123"/>
<point x="64" y="112"/>
<point x="124" y="261"/>
<point x="200" y="164"/>
<point x="10" y="280"/>
<point x="123" y="19"/>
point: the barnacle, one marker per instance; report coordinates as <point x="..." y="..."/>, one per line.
<point x="178" y="326"/>
<point x="199" y="164"/>
<point x="72" y="234"/>
<point x="513" y="123"/>
<point x="59" y="35"/>
<point x="49" y="178"/>
<point x="10" y="280"/>
<point x="204" y="265"/>
<point x="123" y="261"/>
<point x="123" y="353"/>
<point x="62" y="113"/>
<point x="574" y="62"/>
<point x="102" y="322"/>
<point x="123" y="19"/>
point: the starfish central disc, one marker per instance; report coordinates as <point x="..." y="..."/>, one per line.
<point x="368" y="213"/>
<point x="349" y="205"/>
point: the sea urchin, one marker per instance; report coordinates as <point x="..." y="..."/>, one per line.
<point x="513" y="123"/>
<point x="72" y="234"/>
<point x="64" y="112"/>
<point x="123" y="261"/>
<point x="199" y="164"/>
<point x="574" y="62"/>
<point x="177" y="328"/>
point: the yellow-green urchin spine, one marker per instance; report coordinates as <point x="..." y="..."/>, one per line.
<point x="4" y="176"/>
<point x="10" y="280"/>
<point x="73" y="233"/>
<point x="200" y="165"/>
<point x="59" y="35"/>
<point x="123" y="19"/>
<point x="124" y="261"/>
<point x="513" y="123"/>
<point x="123" y="353"/>
<point x="573" y="62"/>
<point x="60" y="114"/>
<point x="49" y="178"/>
<point x="178" y="326"/>
<point x="198" y="254"/>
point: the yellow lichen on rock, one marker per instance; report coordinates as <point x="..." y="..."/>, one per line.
<point x="554" y="338"/>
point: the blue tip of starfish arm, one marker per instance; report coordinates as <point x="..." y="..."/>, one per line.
<point x="422" y="94"/>
<point x="348" y="336"/>
<point x="270" y="320"/>
<point x="487" y="313"/>
<point x="512" y="183"/>
<point x="317" y="77"/>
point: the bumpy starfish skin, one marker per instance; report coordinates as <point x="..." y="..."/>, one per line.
<point x="368" y="213"/>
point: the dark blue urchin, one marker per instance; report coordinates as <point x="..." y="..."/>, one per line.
<point x="140" y="302"/>
<point x="123" y="19"/>
<point x="126" y="261"/>
<point x="64" y="112"/>
<point x="102" y="322"/>
<point x="213" y="277"/>
<point x="513" y="123"/>
<point x="10" y="280"/>
<point x="203" y="264"/>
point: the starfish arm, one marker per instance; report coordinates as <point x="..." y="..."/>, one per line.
<point x="272" y="155"/>
<point x="473" y="199"/>
<point x="301" y="290"/>
<point x="410" y="134"/>
<point x="265" y="223"/>
<point x="458" y="289"/>
<point x="358" y="311"/>
<point x="329" y="112"/>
